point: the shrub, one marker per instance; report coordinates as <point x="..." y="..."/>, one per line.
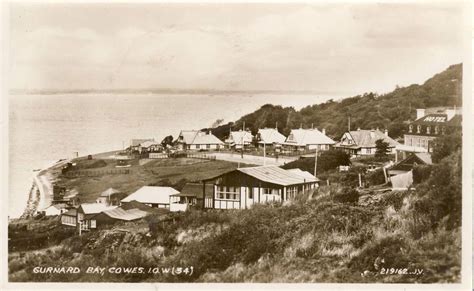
<point x="347" y="195"/>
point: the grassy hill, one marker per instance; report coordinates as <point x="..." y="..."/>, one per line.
<point x="369" y="110"/>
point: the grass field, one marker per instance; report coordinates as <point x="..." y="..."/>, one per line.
<point x="152" y="172"/>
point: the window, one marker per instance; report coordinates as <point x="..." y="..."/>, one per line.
<point x="267" y="191"/>
<point x="418" y="129"/>
<point x="410" y="128"/>
<point x="428" y="129"/>
<point x="436" y="129"/>
<point x="93" y="223"/>
<point x="198" y="146"/>
<point x="443" y="130"/>
<point x="208" y="146"/>
<point x="250" y="193"/>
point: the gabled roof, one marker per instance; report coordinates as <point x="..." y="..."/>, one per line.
<point x="274" y="175"/>
<point x="408" y="163"/>
<point x="198" y="137"/>
<point x="93" y="208"/>
<point x="137" y="205"/>
<point x="203" y="138"/>
<point x="126" y="215"/>
<point x="58" y="206"/>
<point x="270" y="136"/>
<point x="305" y="174"/>
<point x="303" y="137"/>
<point x="240" y="137"/>
<point x="152" y="195"/>
<point x="109" y="192"/>
<point x="367" y="138"/>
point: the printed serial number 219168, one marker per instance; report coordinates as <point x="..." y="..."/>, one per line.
<point x="400" y="271"/>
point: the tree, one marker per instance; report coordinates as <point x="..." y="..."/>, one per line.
<point x="381" y="148"/>
<point x="445" y="145"/>
<point x="167" y="141"/>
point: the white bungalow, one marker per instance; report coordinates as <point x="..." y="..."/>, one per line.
<point x="239" y="139"/>
<point x="55" y="209"/>
<point x="198" y="140"/>
<point x="270" y="137"/>
<point x="243" y="187"/>
<point x="308" y="139"/>
<point x="153" y="196"/>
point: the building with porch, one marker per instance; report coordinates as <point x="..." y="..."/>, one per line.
<point x="195" y="140"/>
<point x="86" y="212"/>
<point x="110" y="196"/>
<point x="239" y="139"/>
<point x="270" y="138"/>
<point x="190" y="195"/>
<point x="308" y="139"/>
<point x="362" y="142"/>
<point x="244" y="187"/>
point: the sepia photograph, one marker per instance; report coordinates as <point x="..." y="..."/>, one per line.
<point x="237" y="142"/>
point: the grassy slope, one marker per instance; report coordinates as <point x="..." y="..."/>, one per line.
<point x="155" y="172"/>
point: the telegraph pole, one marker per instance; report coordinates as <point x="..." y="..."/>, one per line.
<point x="316" y="161"/>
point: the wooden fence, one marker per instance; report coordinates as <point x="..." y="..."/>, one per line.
<point x="96" y="173"/>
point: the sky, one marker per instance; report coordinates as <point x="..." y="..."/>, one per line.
<point x="328" y="48"/>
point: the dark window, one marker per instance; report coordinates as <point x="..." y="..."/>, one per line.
<point x="250" y="193"/>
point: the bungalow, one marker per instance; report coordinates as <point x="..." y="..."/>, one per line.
<point x="56" y="209"/>
<point x="195" y="140"/>
<point x="86" y="213"/>
<point x="191" y="195"/>
<point x="69" y="217"/>
<point x="110" y="196"/>
<point x="239" y="139"/>
<point x="112" y="216"/>
<point x="362" y="142"/>
<point x="308" y="139"/>
<point x="243" y="187"/>
<point x="270" y="137"/>
<point x="136" y="144"/>
<point x="153" y="196"/>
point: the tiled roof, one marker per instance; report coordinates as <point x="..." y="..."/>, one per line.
<point x="152" y="195"/>
<point x="270" y="136"/>
<point x="127" y="215"/>
<point x="303" y="137"/>
<point x="367" y="138"/>
<point x="239" y="137"/>
<point x="276" y="175"/>
<point x="198" y="137"/>
<point x="203" y="138"/>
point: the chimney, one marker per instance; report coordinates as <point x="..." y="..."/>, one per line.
<point x="386" y="132"/>
<point x="209" y="132"/>
<point x="420" y="113"/>
<point x="324" y="131"/>
<point x="450" y="113"/>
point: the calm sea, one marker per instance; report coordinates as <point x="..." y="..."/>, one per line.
<point x="46" y="128"/>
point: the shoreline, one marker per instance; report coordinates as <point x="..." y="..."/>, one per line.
<point x="41" y="191"/>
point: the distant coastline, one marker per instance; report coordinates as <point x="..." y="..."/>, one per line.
<point x="171" y="91"/>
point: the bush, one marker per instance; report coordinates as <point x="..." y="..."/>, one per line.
<point x="347" y="195"/>
<point x="376" y="178"/>
<point x="421" y="173"/>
